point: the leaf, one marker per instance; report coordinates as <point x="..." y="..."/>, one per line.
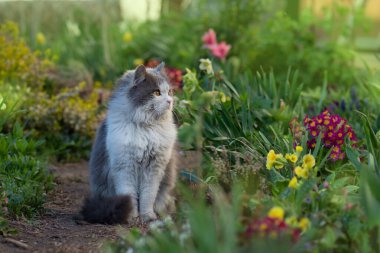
<point x="353" y="156"/>
<point x="373" y="144"/>
<point x="329" y="238"/>
<point x="318" y="145"/>
<point x="325" y="158"/>
<point x="275" y="176"/>
<point x="370" y="196"/>
<point x="267" y="143"/>
<point x="231" y="87"/>
<point x="351" y="188"/>
<point x="341" y="182"/>
<point x="323" y="93"/>
<point x="220" y="138"/>
<point x="304" y="190"/>
<point x="286" y="193"/>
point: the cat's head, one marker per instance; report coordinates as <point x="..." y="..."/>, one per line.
<point x="148" y="93"/>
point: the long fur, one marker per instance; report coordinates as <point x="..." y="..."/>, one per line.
<point x="111" y="210"/>
<point x="134" y="154"/>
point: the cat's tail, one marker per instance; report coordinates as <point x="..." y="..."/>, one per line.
<point x="107" y="210"/>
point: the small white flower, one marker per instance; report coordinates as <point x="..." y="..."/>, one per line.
<point x="183" y="237"/>
<point x="73" y="28"/>
<point x="129" y="250"/>
<point x="155" y="225"/>
<point x="140" y="242"/>
<point x="206" y="65"/>
<point x="168" y="221"/>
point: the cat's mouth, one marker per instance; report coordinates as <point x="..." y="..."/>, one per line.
<point x="161" y="112"/>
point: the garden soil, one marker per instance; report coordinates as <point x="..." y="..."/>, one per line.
<point x="57" y="230"/>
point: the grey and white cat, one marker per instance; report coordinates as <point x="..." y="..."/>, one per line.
<point x="132" y="164"/>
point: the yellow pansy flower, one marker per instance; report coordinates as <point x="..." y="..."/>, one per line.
<point x="138" y="61"/>
<point x="280" y="161"/>
<point x="40" y="37"/>
<point x="292" y="221"/>
<point x="299" y="149"/>
<point x="308" y="161"/>
<point x="275" y="160"/>
<point x="293" y="183"/>
<point x="263" y="227"/>
<point x="298" y="171"/>
<point x="127" y="37"/>
<point x="304" y="173"/>
<point x="293" y="158"/>
<point x="304" y="224"/>
<point x="271" y="158"/>
<point x="276" y="213"/>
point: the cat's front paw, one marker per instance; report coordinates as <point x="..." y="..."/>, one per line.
<point x="133" y="215"/>
<point x="146" y="217"/>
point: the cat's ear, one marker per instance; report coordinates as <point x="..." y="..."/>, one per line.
<point x="161" y="67"/>
<point x="140" y="74"/>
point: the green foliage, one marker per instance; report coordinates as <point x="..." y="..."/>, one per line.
<point x="65" y="117"/>
<point x="170" y="39"/>
<point x="245" y="116"/>
<point x="263" y="37"/>
<point x="85" y="34"/>
<point x="202" y="228"/>
<point x="372" y="152"/>
<point x="24" y="179"/>
<point x="283" y="42"/>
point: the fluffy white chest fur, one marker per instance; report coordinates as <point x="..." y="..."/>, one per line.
<point x="139" y="140"/>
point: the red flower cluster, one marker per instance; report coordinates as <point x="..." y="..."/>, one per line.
<point x="152" y="63"/>
<point x="334" y="130"/>
<point x="175" y="75"/>
<point x="219" y="50"/>
<point x="271" y="227"/>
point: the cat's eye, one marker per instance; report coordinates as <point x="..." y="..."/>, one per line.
<point x="157" y="93"/>
<point x="171" y="92"/>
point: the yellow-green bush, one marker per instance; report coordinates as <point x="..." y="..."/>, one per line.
<point x="65" y="117"/>
<point x="67" y="120"/>
<point x="18" y="63"/>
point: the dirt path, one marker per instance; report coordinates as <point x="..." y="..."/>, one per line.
<point x="56" y="230"/>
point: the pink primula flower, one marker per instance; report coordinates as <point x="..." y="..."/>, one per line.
<point x="220" y="50"/>
<point x="209" y="38"/>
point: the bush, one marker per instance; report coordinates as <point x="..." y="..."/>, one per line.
<point x="65" y="117"/>
<point x="66" y="120"/>
<point x="20" y="65"/>
<point x="24" y="179"/>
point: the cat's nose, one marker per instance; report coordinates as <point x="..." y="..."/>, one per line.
<point x="169" y="101"/>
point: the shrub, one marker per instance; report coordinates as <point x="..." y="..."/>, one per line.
<point x="65" y="117"/>
<point x="20" y="65"/>
<point x="24" y="179"/>
<point x="66" y="120"/>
